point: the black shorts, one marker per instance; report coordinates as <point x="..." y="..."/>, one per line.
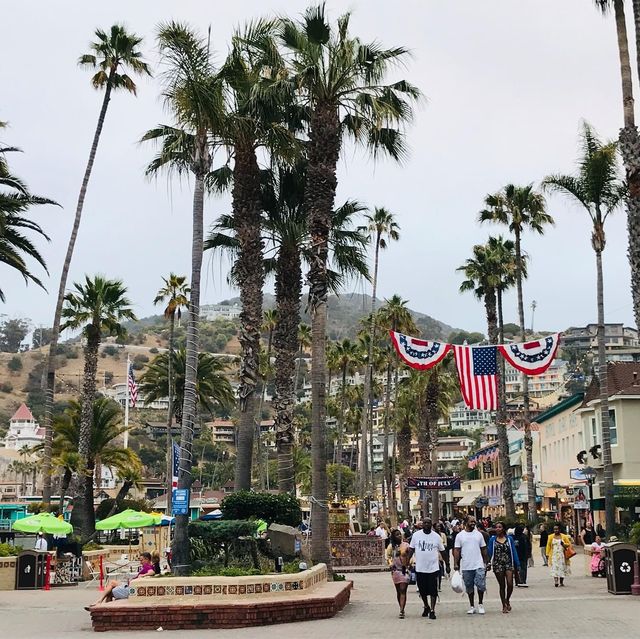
<point x="427" y="583"/>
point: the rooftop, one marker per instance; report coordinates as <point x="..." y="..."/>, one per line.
<point x="23" y="414"/>
<point x="623" y="378"/>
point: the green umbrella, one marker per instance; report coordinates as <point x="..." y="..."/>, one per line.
<point x="44" y="523"/>
<point x="127" y="519"/>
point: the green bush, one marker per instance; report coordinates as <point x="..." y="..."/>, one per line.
<point x="110" y="350"/>
<point x="15" y="364"/>
<point x="154" y="350"/>
<point x="634" y="534"/>
<point x="7" y="550"/>
<point x="6" y="387"/>
<point x="213" y="541"/>
<point x="219" y="571"/>
<point x="91" y="546"/>
<point x="278" y="509"/>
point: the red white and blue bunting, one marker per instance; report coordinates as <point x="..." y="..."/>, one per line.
<point x="419" y="353"/>
<point x="532" y="358"/>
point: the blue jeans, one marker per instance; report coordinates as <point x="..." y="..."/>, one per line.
<point x="477" y="578"/>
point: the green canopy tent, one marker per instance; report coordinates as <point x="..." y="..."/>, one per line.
<point x="43" y="523"/>
<point x="127" y="519"/>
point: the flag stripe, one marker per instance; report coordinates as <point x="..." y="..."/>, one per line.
<point x="133" y="388"/>
<point x="477" y="372"/>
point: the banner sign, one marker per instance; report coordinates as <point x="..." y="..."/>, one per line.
<point x="180" y="501"/>
<point x="434" y="483"/>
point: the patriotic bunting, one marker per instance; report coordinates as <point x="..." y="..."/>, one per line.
<point x="478" y="374"/>
<point x="488" y="454"/>
<point x="532" y="358"/>
<point x="418" y="353"/>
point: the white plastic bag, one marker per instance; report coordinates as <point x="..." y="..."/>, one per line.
<point x="456" y="582"/>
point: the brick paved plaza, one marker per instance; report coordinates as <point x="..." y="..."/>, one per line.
<point x="582" y="609"/>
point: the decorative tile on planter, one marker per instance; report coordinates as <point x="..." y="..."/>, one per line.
<point x="259" y="588"/>
<point x="161" y="590"/>
<point x="132" y="592"/>
<point x="142" y="591"/>
<point x="295" y="585"/>
<point x="250" y="589"/>
<point x="208" y="589"/>
<point x="217" y="589"/>
<point x="170" y="590"/>
<point x="233" y="589"/>
<point x="242" y="590"/>
<point x="287" y="585"/>
<point x="188" y="590"/>
<point x="151" y="591"/>
<point x="224" y="590"/>
<point x="274" y="587"/>
<point x="179" y="590"/>
<point x="197" y="590"/>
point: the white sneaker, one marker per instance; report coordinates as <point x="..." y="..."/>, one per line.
<point x="471" y="611"/>
<point x="480" y="609"/>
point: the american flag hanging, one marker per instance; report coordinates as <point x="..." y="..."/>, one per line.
<point x="478" y="374"/>
<point x="175" y="464"/>
<point x="133" y="388"/>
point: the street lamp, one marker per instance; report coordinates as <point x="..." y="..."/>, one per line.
<point x="590" y="475"/>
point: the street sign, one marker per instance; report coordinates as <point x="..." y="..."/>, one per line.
<point x="180" y="501"/>
<point x="487" y="468"/>
<point x="577" y="474"/>
<point x="434" y="483"/>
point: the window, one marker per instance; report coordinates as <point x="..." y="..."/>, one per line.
<point x="613" y="427"/>
<point x="544" y="454"/>
<point x="594" y="431"/>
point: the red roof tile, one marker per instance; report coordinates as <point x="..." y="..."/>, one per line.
<point x="623" y="378"/>
<point x="23" y="414"/>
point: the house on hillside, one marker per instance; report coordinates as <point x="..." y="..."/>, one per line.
<point x="24" y="430"/>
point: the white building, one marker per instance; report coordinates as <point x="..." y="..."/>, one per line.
<point x="212" y="312"/>
<point x="461" y="417"/>
<point x="118" y="392"/>
<point x="548" y="382"/>
<point x="24" y="430"/>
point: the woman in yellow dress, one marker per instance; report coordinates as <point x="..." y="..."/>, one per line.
<point x="559" y="549"/>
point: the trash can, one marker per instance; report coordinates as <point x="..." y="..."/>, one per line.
<point x="31" y="570"/>
<point x="619" y="558"/>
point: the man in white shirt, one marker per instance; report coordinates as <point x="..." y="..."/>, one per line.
<point x="427" y="546"/>
<point x="41" y="543"/>
<point x="470" y="556"/>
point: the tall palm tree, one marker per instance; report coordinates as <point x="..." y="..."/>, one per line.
<point x="212" y="387"/>
<point x="174" y="293"/>
<point x="382" y="228"/>
<point x="395" y="316"/>
<point x="484" y="277"/>
<point x="598" y="188"/>
<point x="194" y="96"/>
<point x="347" y="359"/>
<point x="97" y="308"/>
<point x="629" y="139"/>
<point x="115" y="55"/>
<point x="520" y="208"/>
<point x="340" y="80"/>
<point x="15" y="201"/>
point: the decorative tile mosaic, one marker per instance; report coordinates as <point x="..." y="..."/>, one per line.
<point x="259" y="588"/>
<point x="197" y="590"/>
<point x="170" y="590"/>
<point x="188" y="590"/>
<point x="242" y="590"/>
<point x="161" y="591"/>
<point x="208" y="589"/>
<point x="274" y="587"/>
<point x="151" y="591"/>
<point x="224" y="590"/>
<point x="217" y="589"/>
<point x="142" y="591"/>
<point x="132" y="592"/>
<point x="233" y="589"/>
<point x="295" y="585"/>
<point x="250" y="588"/>
<point x="179" y="590"/>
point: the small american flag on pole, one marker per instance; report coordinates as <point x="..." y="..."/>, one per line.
<point x="133" y="387"/>
<point x="175" y="464"/>
<point x="478" y="374"/>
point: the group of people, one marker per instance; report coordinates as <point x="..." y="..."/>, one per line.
<point x="424" y="550"/>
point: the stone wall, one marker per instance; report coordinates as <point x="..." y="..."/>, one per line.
<point x="359" y="550"/>
<point x="8" y="573"/>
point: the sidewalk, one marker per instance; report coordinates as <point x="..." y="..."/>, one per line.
<point x="582" y="609"/>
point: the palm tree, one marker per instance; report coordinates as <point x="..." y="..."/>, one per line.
<point x="520" y="208"/>
<point x="194" y="96"/>
<point x="484" y="277"/>
<point x="174" y="293"/>
<point x="340" y="80"/>
<point x="104" y="446"/>
<point x="629" y="139"/>
<point x="304" y="342"/>
<point x="212" y="387"/>
<point x="115" y="54"/>
<point x="15" y="201"/>
<point x="394" y="316"/>
<point x="97" y="308"/>
<point x="598" y="188"/>
<point x="382" y="228"/>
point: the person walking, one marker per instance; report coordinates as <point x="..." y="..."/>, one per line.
<point x="504" y="561"/>
<point x="544" y="537"/>
<point x="559" y="551"/>
<point x="398" y="556"/>
<point x="427" y="546"/>
<point x="470" y="556"/>
<point x="523" y="548"/>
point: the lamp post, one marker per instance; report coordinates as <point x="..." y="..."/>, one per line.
<point x="590" y="475"/>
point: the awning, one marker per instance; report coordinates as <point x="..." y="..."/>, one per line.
<point x="470" y="498"/>
<point x="515" y="459"/>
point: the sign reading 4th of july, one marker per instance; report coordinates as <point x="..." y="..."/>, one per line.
<point x="180" y="501"/>
<point x="434" y="483"/>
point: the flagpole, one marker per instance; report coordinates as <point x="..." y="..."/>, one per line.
<point x="126" y="407"/>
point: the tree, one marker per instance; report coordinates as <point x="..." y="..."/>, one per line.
<point x="12" y="334"/>
<point x="629" y="140"/>
<point x="340" y="80"/>
<point x="598" y="188"/>
<point x="174" y="293"/>
<point x="97" y="308"/>
<point x="15" y="200"/>
<point x="520" y="208"/>
<point x="41" y="337"/>
<point x="382" y="228"/>
<point x="393" y="316"/>
<point x="484" y="277"/>
<point x="193" y="95"/>
<point x="114" y="54"/>
<point x="104" y="448"/>
<point x="460" y="337"/>
<point x="213" y="389"/>
<point x="304" y="342"/>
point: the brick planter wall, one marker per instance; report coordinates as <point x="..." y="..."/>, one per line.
<point x="358" y="550"/>
<point x="7" y="573"/>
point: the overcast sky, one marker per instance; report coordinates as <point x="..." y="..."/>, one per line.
<point x="507" y="84"/>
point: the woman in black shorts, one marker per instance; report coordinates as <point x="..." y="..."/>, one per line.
<point x="503" y="560"/>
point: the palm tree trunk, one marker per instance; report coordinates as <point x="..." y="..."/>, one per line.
<point x="367" y="413"/>
<point x="298" y="365"/>
<point x="432" y="399"/>
<point x="263" y="455"/>
<point x="55" y="331"/>
<point x="385" y="451"/>
<point x="501" y="425"/>
<point x="172" y="327"/>
<point x="319" y="197"/>
<point x="528" y="438"/>
<point x="250" y="272"/>
<point x="288" y="288"/>
<point x="343" y="409"/>
<point x="630" y="146"/>
<point x="394" y="456"/>
<point x="607" y="465"/>
<point x="180" y="547"/>
<point x="423" y="443"/>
